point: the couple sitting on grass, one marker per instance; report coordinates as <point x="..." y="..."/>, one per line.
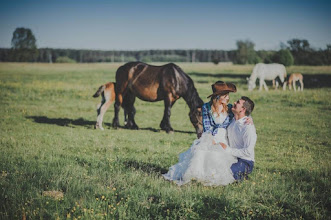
<point x="225" y="151"/>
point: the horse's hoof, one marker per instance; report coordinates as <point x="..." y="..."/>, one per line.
<point x="170" y="132"/>
<point x="132" y="127"/>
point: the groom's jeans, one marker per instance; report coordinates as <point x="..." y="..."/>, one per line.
<point x="242" y="168"/>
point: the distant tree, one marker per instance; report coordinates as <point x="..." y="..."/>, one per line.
<point x="284" y="57"/>
<point x="65" y="59"/>
<point x="299" y="45"/>
<point x="266" y="56"/>
<point x="24" y="45"/>
<point x="23" y="38"/>
<point x="246" y="53"/>
<point x="301" y="51"/>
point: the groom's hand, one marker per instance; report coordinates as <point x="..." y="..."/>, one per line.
<point x="223" y="145"/>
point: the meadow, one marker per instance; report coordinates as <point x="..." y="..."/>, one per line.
<point x="55" y="165"/>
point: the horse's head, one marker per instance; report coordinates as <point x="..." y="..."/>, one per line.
<point x="250" y="83"/>
<point x="196" y="119"/>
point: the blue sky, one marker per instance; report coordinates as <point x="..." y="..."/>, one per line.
<point x="156" y="24"/>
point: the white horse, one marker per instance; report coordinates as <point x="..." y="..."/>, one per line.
<point x="267" y="72"/>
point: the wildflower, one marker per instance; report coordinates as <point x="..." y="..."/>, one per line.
<point x="68" y="215"/>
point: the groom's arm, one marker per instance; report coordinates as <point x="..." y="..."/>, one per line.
<point x="247" y="150"/>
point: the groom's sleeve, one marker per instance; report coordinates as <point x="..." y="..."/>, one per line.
<point x="247" y="151"/>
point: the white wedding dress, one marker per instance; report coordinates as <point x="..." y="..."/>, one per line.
<point x="204" y="161"/>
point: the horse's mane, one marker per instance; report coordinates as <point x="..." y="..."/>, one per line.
<point x="188" y="90"/>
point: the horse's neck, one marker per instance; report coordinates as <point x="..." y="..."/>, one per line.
<point x="193" y="99"/>
<point x="255" y="75"/>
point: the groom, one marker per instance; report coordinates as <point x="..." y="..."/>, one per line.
<point x="242" y="138"/>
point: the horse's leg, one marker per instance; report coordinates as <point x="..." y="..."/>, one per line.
<point x="102" y="111"/>
<point x="301" y="83"/>
<point x="165" y="123"/>
<point x="125" y="117"/>
<point x="117" y="106"/>
<point x="261" y="84"/>
<point x="277" y="84"/>
<point x="130" y="110"/>
<point x="265" y="85"/>
<point x="284" y="85"/>
<point x="100" y="105"/>
<point x="294" y="86"/>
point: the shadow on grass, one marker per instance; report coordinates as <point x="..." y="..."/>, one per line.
<point x="67" y="122"/>
<point x="145" y="167"/>
<point x="159" y="130"/>
<point x="309" y="80"/>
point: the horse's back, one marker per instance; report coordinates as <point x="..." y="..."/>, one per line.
<point x="270" y="71"/>
<point x="148" y="82"/>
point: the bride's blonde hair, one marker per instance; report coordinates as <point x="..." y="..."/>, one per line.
<point x="215" y="105"/>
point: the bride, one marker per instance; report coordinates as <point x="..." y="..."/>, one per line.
<point x="206" y="161"/>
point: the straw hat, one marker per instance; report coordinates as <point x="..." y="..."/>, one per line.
<point x="221" y="88"/>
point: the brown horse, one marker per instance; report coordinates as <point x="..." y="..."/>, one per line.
<point x="152" y="84"/>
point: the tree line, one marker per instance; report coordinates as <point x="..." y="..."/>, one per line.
<point x="296" y="51"/>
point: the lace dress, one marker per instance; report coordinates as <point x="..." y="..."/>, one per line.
<point x="204" y="162"/>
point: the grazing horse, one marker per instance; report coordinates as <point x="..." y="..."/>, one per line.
<point x="155" y="83"/>
<point x="294" y="77"/>
<point x="267" y="72"/>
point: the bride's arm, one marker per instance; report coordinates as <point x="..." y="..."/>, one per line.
<point x="249" y="120"/>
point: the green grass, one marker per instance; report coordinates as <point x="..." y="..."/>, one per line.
<point x="48" y="143"/>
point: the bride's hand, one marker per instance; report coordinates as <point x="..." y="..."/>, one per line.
<point x="223" y="145"/>
<point x="249" y="121"/>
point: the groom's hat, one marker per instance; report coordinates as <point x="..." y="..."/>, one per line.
<point x="221" y="88"/>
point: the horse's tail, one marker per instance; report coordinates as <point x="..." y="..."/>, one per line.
<point x="99" y="91"/>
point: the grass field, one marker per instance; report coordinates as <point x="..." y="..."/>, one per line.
<point x="48" y="144"/>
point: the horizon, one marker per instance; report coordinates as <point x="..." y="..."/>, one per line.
<point x="149" y="25"/>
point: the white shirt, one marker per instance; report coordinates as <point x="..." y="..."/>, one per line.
<point x="242" y="139"/>
<point x="221" y="135"/>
